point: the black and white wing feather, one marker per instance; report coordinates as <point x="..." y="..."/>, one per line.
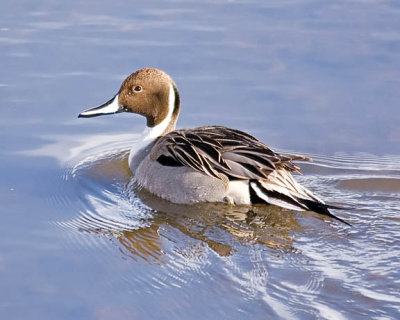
<point x="220" y="151"/>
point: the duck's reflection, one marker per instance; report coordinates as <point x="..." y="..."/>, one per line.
<point x="144" y="243"/>
<point x="219" y="226"/>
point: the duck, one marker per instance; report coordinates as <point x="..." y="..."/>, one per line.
<point x="204" y="164"/>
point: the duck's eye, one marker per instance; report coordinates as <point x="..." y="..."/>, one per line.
<point x="138" y="88"/>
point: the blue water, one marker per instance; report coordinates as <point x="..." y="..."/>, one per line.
<point x="312" y="77"/>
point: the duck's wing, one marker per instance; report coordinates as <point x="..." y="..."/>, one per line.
<point x="221" y="152"/>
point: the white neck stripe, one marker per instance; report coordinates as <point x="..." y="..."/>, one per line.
<point x="149" y="134"/>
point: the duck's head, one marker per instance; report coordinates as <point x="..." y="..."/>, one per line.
<point x="148" y="92"/>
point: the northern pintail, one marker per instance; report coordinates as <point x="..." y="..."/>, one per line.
<point x="205" y="164"/>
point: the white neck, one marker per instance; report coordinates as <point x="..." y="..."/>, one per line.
<point x="149" y="134"/>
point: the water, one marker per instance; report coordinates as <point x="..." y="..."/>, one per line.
<point x="318" y="78"/>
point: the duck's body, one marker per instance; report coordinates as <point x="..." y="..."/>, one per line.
<point x="205" y="164"/>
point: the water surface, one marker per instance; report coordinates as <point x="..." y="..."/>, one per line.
<point x="311" y="77"/>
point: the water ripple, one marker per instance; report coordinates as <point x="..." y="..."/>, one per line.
<point x="358" y="163"/>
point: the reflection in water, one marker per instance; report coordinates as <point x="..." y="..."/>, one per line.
<point x="77" y="146"/>
<point x="211" y="222"/>
<point x="144" y="243"/>
<point x="371" y="184"/>
<point x="218" y="225"/>
<point x="270" y="226"/>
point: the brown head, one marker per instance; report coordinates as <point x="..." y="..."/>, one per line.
<point x="148" y="92"/>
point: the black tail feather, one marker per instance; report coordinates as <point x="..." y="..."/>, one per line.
<point x="258" y="194"/>
<point x="322" y="208"/>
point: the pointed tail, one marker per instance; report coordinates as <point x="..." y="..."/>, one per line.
<point x="292" y="196"/>
<point x="322" y="208"/>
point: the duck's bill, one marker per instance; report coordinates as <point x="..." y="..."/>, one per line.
<point x="110" y="107"/>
